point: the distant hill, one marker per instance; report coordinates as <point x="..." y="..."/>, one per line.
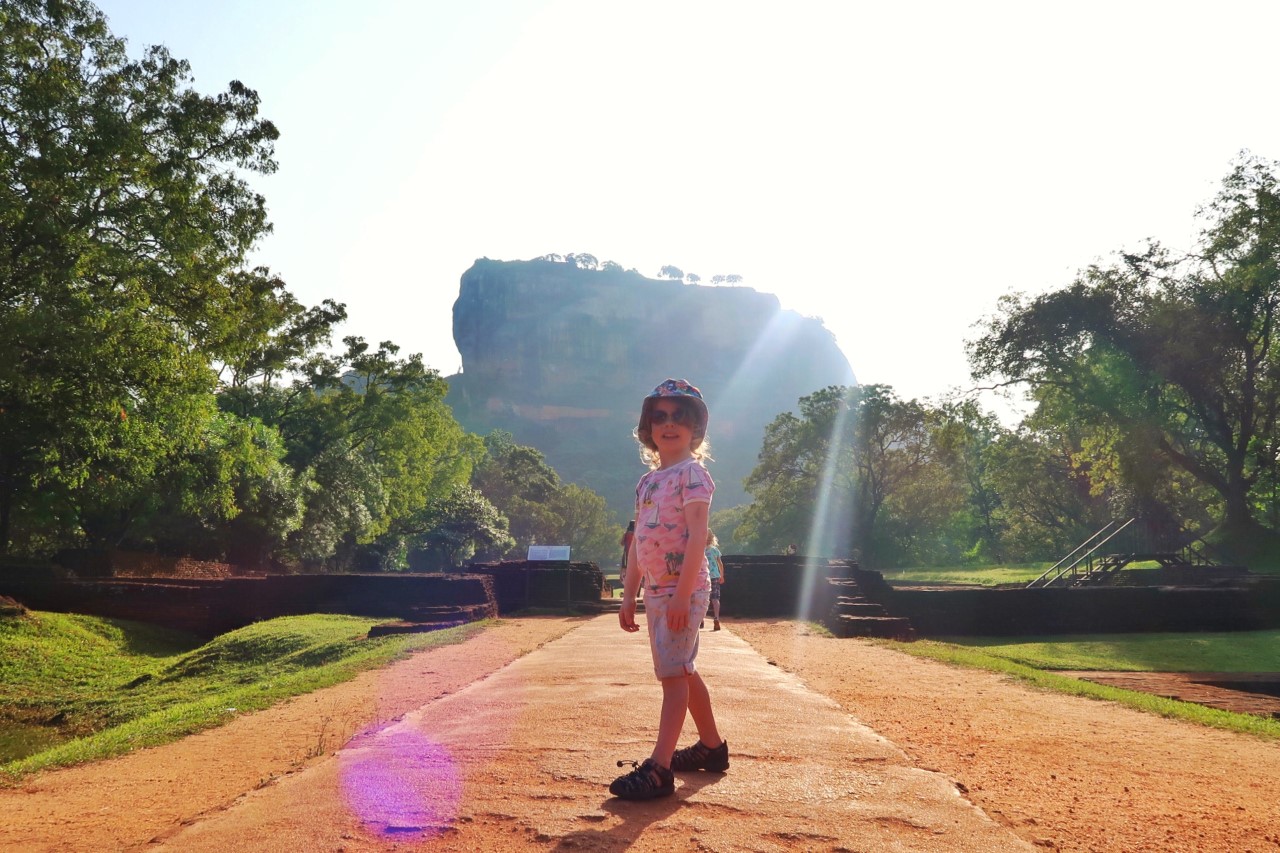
<point x="561" y="358"/>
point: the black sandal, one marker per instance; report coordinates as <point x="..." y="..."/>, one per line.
<point x="647" y="781"/>
<point x="701" y="757"/>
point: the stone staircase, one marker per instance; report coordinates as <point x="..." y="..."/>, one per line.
<point x="424" y="618"/>
<point x="851" y="614"/>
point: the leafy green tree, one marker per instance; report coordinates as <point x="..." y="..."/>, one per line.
<point x="373" y="427"/>
<point x="963" y="438"/>
<point x="263" y="332"/>
<point x="520" y="483"/>
<point x="725" y="523"/>
<point x="228" y="495"/>
<point x="1179" y="350"/>
<point x="824" y="477"/>
<point x="451" y="527"/>
<point x="342" y="501"/>
<point x="539" y="507"/>
<point x="122" y="212"/>
<point x="672" y="272"/>
<point x="582" y="519"/>
<point x="1048" y="501"/>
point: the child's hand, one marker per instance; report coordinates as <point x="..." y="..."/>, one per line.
<point x="677" y="616"/>
<point x="627" y="616"/>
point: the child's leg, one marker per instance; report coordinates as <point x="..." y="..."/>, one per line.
<point x="700" y="710"/>
<point x="675" y="702"/>
<point x="715" y="609"/>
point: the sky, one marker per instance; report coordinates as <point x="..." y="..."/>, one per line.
<point x="892" y="168"/>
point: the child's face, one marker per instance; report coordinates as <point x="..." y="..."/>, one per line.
<point x="671" y="426"/>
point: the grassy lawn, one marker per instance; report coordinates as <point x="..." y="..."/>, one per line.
<point x="1243" y="651"/>
<point x="108" y="686"/>
<point x="968" y="575"/>
<point x="1033" y="660"/>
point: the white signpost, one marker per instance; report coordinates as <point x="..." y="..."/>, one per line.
<point x="548" y="552"/>
<point x="552" y="553"/>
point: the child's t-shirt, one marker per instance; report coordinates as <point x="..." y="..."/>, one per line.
<point x="713" y="555"/>
<point x="661" y="530"/>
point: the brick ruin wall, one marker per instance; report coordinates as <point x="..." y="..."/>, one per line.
<point x="212" y="605"/>
<point x="755" y="586"/>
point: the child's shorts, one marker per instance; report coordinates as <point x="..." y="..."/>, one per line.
<point x="674" y="652"/>
<point x="715" y="590"/>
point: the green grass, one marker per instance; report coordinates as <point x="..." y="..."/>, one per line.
<point x="1243" y="651"/>
<point x="968" y="575"/>
<point x="112" y="686"/>
<point x="1057" y="652"/>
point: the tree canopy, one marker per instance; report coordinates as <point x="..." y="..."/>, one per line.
<point x="824" y="476"/>
<point x="1176" y="351"/>
<point x="123" y="211"/>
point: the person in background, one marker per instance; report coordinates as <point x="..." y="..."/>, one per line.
<point x="716" y="567"/>
<point x="668" y="554"/>
<point x="627" y="536"/>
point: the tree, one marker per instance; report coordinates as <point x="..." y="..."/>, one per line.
<point x="823" y="477"/>
<point x="451" y="527"/>
<point x="692" y="278"/>
<point x="1180" y="350"/>
<point x="725" y="524"/>
<point x="228" y="495"/>
<point x="343" y="503"/>
<point x="518" y="481"/>
<point x="540" y="509"/>
<point x="263" y="331"/>
<point x="964" y="438"/>
<point x="1047" y="501"/>
<point x="122" y="210"/>
<point x="372" y="410"/>
<point x="581" y="519"/>
<point x="671" y="272"/>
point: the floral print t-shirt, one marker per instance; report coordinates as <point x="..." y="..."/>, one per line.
<point x="661" y="530"/>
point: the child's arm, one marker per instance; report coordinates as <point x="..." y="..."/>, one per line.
<point x="630" y="585"/>
<point x="695" y="515"/>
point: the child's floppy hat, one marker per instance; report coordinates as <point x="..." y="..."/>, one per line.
<point x="678" y="388"/>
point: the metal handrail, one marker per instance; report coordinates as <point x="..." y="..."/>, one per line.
<point x="1071" y="568"/>
<point x="1069" y="556"/>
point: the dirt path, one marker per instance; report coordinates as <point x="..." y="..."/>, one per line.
<point x="1065" y="773"/>
<point x="146" y="796"/>
<point x="1061" y="773"/>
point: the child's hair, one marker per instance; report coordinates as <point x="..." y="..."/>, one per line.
<point x="691" y="406"/>
<point x="712" y="541"/>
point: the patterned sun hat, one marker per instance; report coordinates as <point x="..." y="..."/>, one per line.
<point x="679" y="388"/>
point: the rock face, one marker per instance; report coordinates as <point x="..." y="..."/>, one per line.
<point x="561" y="358"/>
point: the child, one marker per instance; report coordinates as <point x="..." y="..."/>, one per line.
<point x="716" y="565"/>
<point x="673" y="502"/>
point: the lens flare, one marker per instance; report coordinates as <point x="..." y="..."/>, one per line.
<point x="827" y="532"/>
<point x="401" y="783"/>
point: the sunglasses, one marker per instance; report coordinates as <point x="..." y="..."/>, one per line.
<point x="658" y="417"/>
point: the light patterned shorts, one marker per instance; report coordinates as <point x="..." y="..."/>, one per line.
<point x="674" y="652"/>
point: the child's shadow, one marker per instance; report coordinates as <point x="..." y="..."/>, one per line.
<point x="636" y="815"/>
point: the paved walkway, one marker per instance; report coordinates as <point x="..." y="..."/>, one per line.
<point x="522" y="760"/>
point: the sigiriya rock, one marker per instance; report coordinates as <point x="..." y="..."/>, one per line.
<point x="561" y="357"/>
